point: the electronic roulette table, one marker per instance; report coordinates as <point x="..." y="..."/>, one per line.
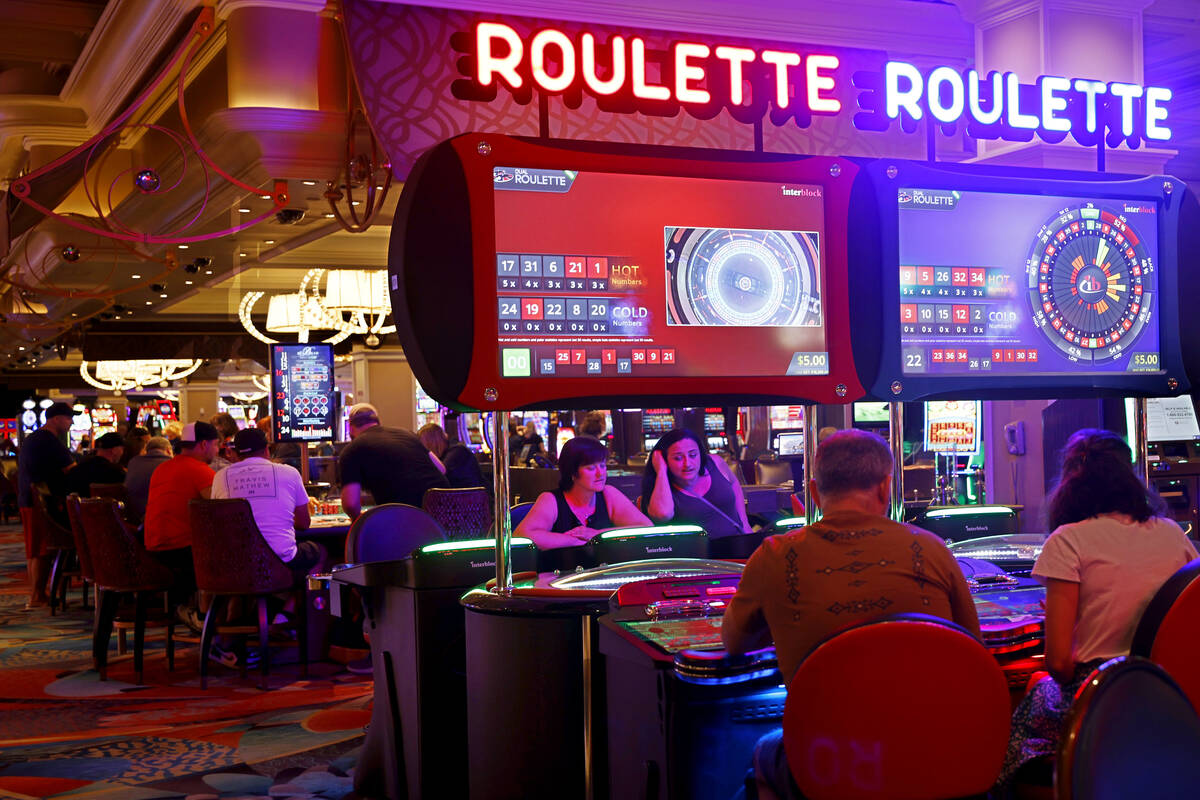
<point x="683" y="715"/>
<point x="536" y="681"/>
<point x="1011" y="617"/>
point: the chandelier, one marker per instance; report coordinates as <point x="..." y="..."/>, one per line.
<point x="354" y="302"/>
<point x="118" y="376"/>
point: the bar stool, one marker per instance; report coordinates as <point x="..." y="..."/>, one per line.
<point x="1166" y="633"/>
<point x="909" y="705"/>
<point x="1131" y="732"/>
<point x="122" y="566"/>
<point x="232" y="559"/>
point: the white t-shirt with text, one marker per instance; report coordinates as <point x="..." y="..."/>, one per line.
<point x="274" y="491"/>
<point x="1119" y="564"/>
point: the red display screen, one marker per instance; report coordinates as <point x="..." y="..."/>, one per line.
<point x="645" y="276"/>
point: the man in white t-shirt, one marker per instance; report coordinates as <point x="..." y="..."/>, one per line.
<point x="277" y="498"/>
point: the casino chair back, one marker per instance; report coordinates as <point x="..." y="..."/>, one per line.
<point x="517" y="513"/>
<point x="1166" y="633"/>
<point x="462" y="513"/>
<point x="389" y="532"/>
<point x="772" y="472"/>
<point x="903" y="706"/>
<point x="1131" y="732"/>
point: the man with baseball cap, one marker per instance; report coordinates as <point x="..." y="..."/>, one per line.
<point x="168" y="527"/>
<point x="277" y="499"/>
<point x="102" y="466"/>
<point x="43" y="459"/>
<point x="390" y="463"/>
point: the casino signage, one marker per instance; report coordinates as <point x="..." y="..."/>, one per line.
<point x="790" y="85"/>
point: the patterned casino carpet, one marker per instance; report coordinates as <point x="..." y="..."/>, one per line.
<point x="65" y="734"/>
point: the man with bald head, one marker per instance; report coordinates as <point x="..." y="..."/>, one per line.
<point x="853" y="565"/>
<point x="390" y="463"/>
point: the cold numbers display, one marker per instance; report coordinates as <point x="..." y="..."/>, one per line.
<point x="1024" y="284"/>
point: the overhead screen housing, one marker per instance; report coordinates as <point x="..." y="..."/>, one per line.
<point x="994" y="284"/>
<point x="563" y="274"/>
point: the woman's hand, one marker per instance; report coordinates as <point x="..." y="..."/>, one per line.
<point x="658" y="462"/>
<point x="583" y="533"/>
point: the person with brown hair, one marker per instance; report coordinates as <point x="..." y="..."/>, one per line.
<point x="1109" y="551"/>
<point x="457" y="462"/>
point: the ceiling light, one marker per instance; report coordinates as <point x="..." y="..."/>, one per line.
<point x="355" y="203"/>
<point x="149" y="303"/>
<point x="268" y="241"/>
<point x="136" y="277"/>
<point x="183" y="247"/>
<point x="22" y="347"/>
<point x="208" y="272"/>
<point x="309" y="183"/>
<point x="164" y="294"/>
<point x="187" y="283"/>
<point x="243" y="255"/>
<point x="330" y="216"/>
<point x="243" y="211"/>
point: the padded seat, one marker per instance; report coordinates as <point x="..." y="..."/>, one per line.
<point x="1131" y="733"/>
<point x="389" y="532"/>
<point x="60" y="546"/>
<point x="899" y="707"/>
<point x="1166" y="633"/>
<point x="121" y="566"/>
<point x="232" y="559"/>
<point x="462" y="513"/>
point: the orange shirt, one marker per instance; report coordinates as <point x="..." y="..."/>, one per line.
<point x="172" y="486"/>
<point x="849" y="567"/>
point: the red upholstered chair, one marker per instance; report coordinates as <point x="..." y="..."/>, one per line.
<point x="86" y="572"/>
<point x="121" y="565"/>
<point x="462" y="513"/>
<point x="1130" y="733"/>
<point x="901" y="707"/>
<point x="1167" y="631"/>
<point x="233" y="559"/>
<point x="60" y="546"/>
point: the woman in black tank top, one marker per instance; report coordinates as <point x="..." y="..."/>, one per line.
<point x="683" y="484"/>
<point x="583" y="504"/>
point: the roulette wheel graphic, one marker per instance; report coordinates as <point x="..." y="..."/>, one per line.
<point x="1089" y="283"/>
<point x="722" y="276"/>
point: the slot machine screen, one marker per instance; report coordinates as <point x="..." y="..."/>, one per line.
<point x="1027" y="284"/>
<point x="871" y="413"/>
<point x="952" y="426"/>
<point x="303" y="402"/>
<point x="785" y="417"/>
<point x="1171" y="419"/>
<point x="789" y="443"/>
<point x="655" y="423"/>
<point x="239" y="415"/>
<point x="166" y="409"/>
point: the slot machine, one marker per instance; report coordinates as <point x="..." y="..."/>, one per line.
<point x="1173" y="445"/>
<point x="81" y="424"/>
<point x="714" y="430"/>
<point x="655" y="423"/>
<point x="104" y="420"/>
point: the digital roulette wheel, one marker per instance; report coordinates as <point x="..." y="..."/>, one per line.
<point x="1089" y="283"/>
<point x="722" y="276"/>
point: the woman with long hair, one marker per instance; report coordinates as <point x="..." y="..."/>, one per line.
<point x="682" y="483"/>
<point x="1109" y="551"/>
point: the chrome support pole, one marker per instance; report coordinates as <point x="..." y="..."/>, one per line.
<point x="896" y="440"/>
<point x="810" y="458"/>
<point x="1140" y="445"/>
<point x="589" y="776"/>
<point x="504" y="573"/>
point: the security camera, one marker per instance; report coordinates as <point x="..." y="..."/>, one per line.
<point x="202" y="263"/>
<point x="289" y="216"/>
<point x="157" y="287"/>
<point x="192" y="268"/>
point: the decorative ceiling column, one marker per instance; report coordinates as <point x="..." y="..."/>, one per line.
<point x="1093" y="39"/>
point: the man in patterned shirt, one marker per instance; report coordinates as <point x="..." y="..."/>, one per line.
<point x="853" y="565"/>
